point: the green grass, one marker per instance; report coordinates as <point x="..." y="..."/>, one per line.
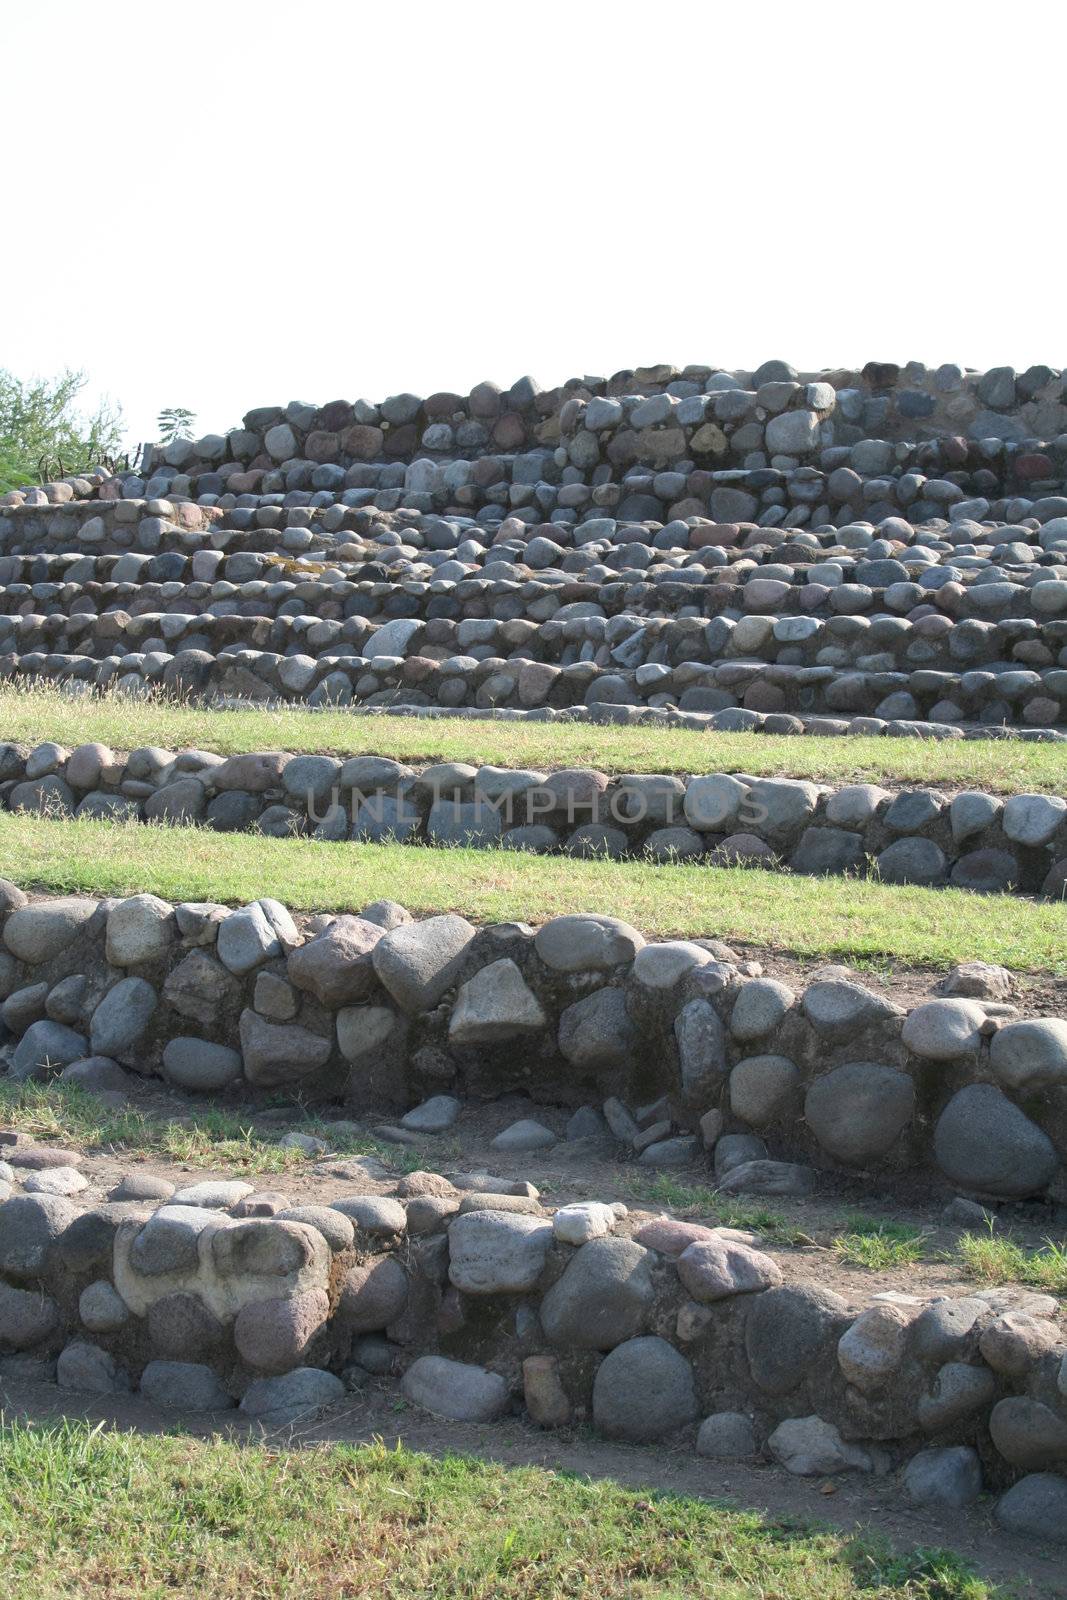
<point x="879" y="1245"/>
<point x="809" y="917"/>
<point x="65" y="1114"/>
<point x="1003" y="1260"/>
<point x="83" y="1511"/>
<point x="31" y="715"/>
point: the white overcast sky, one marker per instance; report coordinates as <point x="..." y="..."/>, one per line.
<point x="235" y="204"/>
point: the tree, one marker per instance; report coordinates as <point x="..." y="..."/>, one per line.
<point x="175" y="422"/>
<point x="43" y="434"/>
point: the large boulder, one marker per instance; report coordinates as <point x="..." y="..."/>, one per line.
<point x="858" y="1111"/>
<point x="603" y="1297"/>
<point x="837" y="1008"/>
<point x="813" y="1448"/>
<point x="336" y="965"/>
<point x="201" y="989"/>
<point x="943" y="1030"/>
<point x="184" y="1386"/>
<point x="701" y="1040"/>
<point x="418" y="962"/>
<point x="293" y="1397"/>
<point x="717" y="1268"/>
<point x="587" y="943"/>
<point x="200" y="1065"/>
<point x="497" y="1252"/>
<point x="1031" y="1055"/>
<point x="597" y="1031"/>
<point x="1036" y="1506"/>
<point x="26" y="1317"/>
<point x="122" y="1017"/>
<point x="948" y="1477"/>
<point x="275" y="1054"/>
<point x="36" y="932"/>
<point x="139" y="929"/>
<point x="643" y="1391"/>
<point x="45" y="1049"/>
<point x="1028" y="1433"/>
<point x="788" y="1332"/>
<point x="274" y="1335"/>
<point x="495" y="1004"/>
<point x="455" y="1390"/>
<point x="983" y="1141"/>
<point x="30" y="1225"/>
<point x="373" y="1295"/>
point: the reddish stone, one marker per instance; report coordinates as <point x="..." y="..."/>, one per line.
<point x="362" y="441"/>
<point x="1041" y="712"/>
<point x="440" y="407"/>
<point x="273" y="1335"/>
<point x="485" y="471"/>
<point x="510" y="432"/>
<point x="321" y="446"/>
<point x="402" y="441"/>
<point x="1033" y="465"/>
<point x="485" y="400"/>
<point x="546" y="1399"/>
<point x="416" y="669"/>
<point x="245" y="482"/>
<point x="721" y="534"/>
<point x="374" y="1294"/>
<point x="334" y="417"/>
<point x="669" y="1236"/>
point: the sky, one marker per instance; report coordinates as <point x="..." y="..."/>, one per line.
<point x="230" y="205"/>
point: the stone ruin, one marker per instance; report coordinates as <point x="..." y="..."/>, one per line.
<point x="868" y="552"/>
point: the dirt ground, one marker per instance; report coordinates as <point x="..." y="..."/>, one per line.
<point x="801" y="1239"/>
<point x="801" y="1243"/>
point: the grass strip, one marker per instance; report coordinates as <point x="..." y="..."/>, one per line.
<point x="85" y="1511"/>
<point x="807" y="917"/>
<point x="32" y="715"/>
<point x="224" y="1141"/>
<point x="994" y="1259"/>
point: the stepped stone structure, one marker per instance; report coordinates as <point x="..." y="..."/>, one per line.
<point x="843" y="553"/>
<point x="871" y="551"/>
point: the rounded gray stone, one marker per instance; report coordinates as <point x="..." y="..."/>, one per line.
<point x="200" y="1064"/>
<point x="455" y="1390"/>
<point x="858" y="1111"/>
<point x="1031" y="1055"/>
<point x="1036" y="1506"/>
<point x="983" y="1142"/>
<point x="603" y="1297"/>
<point x="727" y="1436"/>
<point x="643" y="1391"/>
<point x="184" y="1386"/>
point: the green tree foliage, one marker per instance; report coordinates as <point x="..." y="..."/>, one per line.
<point x="175" y="422"/>
<point x="44" y="433"/>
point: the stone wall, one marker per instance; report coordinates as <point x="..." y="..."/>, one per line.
<point x="486" y="1303"/>
<point x="969" y="840"/>
<point x="385" y="1010"/>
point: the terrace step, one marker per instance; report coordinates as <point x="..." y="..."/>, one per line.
<point x="924" y="835"/>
